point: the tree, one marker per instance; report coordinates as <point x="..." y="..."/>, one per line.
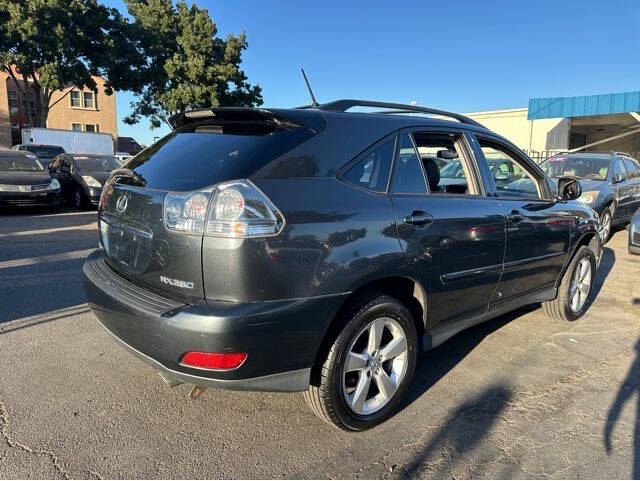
<point x="58" y="44"/>
<point x="187" y="65"/>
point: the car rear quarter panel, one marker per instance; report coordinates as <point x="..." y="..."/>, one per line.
<point x="336" y="238"/>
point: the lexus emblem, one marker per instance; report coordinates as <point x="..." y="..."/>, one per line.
<point x="121" y="204"/>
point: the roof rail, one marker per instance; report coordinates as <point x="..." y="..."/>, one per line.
<point x="620" y="153"/>
<point x="345" y="104"/>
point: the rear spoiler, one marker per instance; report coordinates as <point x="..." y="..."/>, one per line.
<point x="279" y="117"/>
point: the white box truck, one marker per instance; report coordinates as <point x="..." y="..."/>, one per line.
<point x="72" y="141"/>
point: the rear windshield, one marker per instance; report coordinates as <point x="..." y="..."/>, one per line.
<point x="48" y="151"/>
<point x="203" y="153"/>
<point x="20" y="163"/>
<point x="594" y="168"/>
<point x="97" y="163"/>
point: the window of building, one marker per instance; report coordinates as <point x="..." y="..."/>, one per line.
<point x="372" y="171"/>
<point x="76" y="127"/>
<point x="88" y="100"/>
<point x="74" y="95"/>
<point x="15" y="134"/>
<point x="13" y="102"/>
<point x="91" y="128"/>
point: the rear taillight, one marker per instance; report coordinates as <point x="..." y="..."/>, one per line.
<point x="213" y="360"/>
<point x="236" y="209"/>
<point x="239" y="209"/>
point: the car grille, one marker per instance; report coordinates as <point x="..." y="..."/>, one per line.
<point x="129" y="292"/>
<point x="27" y="202"/>
<point x="636" y="237"/>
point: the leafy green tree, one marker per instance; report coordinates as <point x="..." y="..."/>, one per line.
<point x="58" y="44"/>
<point x="187" y="65"/>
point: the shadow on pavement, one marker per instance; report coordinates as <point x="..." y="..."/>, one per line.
<point x="606" y="264"/>
<point x="629" y="386"/>
<point x="462" y="431"/>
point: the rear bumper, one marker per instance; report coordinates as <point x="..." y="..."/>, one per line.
<point x="281" y="338"/>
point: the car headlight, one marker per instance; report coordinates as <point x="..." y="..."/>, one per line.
<point x="90" y="181"/>
<point x="54" y="185"/>
<point x="589" y="197"/>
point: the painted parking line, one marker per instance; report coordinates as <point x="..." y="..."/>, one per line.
<point x="64" y="256"/>
<point x="87" y="227"/>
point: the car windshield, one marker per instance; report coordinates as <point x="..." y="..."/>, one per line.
<point x="20" y="163"/>
<point x="47" y="151"/>
<point x="595" y="168"/>
<point x="97" y="163"/>
<point x="454" y="170"/>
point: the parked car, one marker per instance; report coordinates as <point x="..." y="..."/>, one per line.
<point x="45" y="153"/>
<point x="82" y="176"/>
<point x="610" y="183"/>
<point x="313" y="250"/>
<point x="122" y="156"/>
<point x="634" y="234"/>
<point x="24" y="182"/>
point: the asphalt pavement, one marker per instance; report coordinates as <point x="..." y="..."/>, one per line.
<point x="519" y="396"/>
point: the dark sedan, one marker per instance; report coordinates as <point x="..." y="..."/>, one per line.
<point x="82" y="176"/>
<point x="610" y="183"/>
<point x="44" y="153"/>
<point x="24" y="182"/>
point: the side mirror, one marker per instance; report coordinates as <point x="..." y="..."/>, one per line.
<point x="501" y="176"/>
<point x="617" y="178"/>
<point x="569" y="188"/>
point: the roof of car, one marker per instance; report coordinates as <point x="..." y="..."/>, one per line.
<point x="399" y="115"/>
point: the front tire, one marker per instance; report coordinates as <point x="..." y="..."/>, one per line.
<point x="368" y="368"/>
<point x="576" y="289"/>
<point x="606" y="219"/>
<point x="79" y="199"/>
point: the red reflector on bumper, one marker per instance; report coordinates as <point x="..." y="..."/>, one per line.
<point x="213" y="360"/>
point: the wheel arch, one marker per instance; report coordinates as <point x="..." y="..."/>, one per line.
<point x="589" y="239"/>
<point x="407" y="290"/>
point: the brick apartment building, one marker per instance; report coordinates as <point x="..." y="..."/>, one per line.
<point x="72" y="109"/>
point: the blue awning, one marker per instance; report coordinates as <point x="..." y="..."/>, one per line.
<point x="584" y="106"/>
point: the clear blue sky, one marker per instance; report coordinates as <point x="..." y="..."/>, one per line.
<point x="465" y="56"/>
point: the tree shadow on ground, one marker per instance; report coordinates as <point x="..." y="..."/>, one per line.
<point x="464" y="429"/>
<point x="629" y="386"/>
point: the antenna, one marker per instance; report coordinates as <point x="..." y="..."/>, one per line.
<point x="314" y="102"/>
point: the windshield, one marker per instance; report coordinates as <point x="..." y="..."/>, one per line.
<point x="454" y="170"/>
<point x="48" y="151"/>
<point x="595" y="168"/>
<point x="20" y="163"/>
<point x="95" y="163"/>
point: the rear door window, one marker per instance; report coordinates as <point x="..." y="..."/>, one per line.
<point x="372" y="170"/>
<point x="632" y="170"/>
<point x="204" y="153"/>
<point x="408" y="177"/>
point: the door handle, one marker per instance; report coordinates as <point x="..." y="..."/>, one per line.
<point x="515" y="217"/>
<point x="418" y="217"/>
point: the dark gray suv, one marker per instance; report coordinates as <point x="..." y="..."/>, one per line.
<point x="610" y="183"/>
<point x="320" y="250"/>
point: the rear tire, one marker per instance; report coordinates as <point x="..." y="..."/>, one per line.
<point x="578" y="279"/>
<point x="368" y="368"/>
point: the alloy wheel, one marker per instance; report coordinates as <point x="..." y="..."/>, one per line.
<point x="580" y="285"/>
<point x="375" y="365"/>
